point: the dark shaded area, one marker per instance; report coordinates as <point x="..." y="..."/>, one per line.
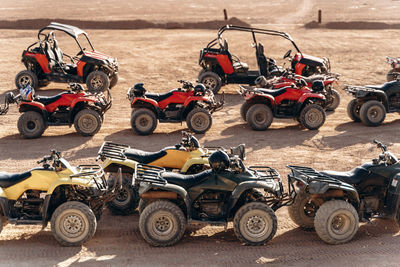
<point x="27" y="24"/>
<point x="352" y="25"/>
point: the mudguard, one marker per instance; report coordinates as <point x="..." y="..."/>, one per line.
<point x="82" y="99"/>
<point x="250" y="97"/>
<point x="30" y="105"/>
<point x="271" y="186"/>
<point x="194" y="161"/>
<point x="69" y="181"/>
<point x="4" y="207"/>
<point x="360" y="93"/>
<point x="140" y="100"/>
<point x="195" y="98"/>
<point x="169" y="187"/>
<point x="393" y="198"/>
<point x="306" y="96"/>
<point x="112" y="165"/>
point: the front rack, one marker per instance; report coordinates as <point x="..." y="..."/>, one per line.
<point x="92" y="170"/>
<point x="149" y="174"/>
<point x="355" y="88"/>
<point x="112" y="150"/>
<point x="311" y="175"/>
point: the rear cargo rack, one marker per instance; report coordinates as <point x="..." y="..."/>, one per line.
<point x="112" y="150"/>
<point x="95" y="171"/>
<point x="150" y="174"/>
<point x="312" y="174"/>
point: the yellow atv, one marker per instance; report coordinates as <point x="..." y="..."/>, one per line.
<point x="187" y="157"/>
<point x="72" y="198"/>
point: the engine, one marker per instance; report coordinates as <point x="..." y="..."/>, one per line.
<point x="210" y="205"/>
<point x="173" y="111"/>
<point x="394" y="100"/>
<point x="29" y="206"/>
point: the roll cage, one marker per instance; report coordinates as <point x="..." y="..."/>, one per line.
<point x="253" y="32"/>
<point x="72" y="31"/>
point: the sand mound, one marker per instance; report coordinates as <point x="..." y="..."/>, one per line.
<point x="121" y="24"/>
<point x="353" y="25"/>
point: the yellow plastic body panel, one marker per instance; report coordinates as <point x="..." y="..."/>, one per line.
<point x="108" y="161"/>
<point x="175" y="159"/>
<point x="2" y="194"/>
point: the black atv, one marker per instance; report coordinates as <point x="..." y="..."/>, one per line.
<point x="227" y="192"/>
<point x="372" y="102"/>
<point x="335" y="202"/>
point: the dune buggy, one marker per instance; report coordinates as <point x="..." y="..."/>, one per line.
<point x="220" y="67"/>
<point x="44" y="62"/>
<point x="195" y="104"/>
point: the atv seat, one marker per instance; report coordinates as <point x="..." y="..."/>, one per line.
<point x="353" y="177"/>
<point x="46" y="100"/>
<point x="158" y="97"/>
<point x="273" y="92"/>
<point x="144" y="156"/>
<point x="10" y="179"/>
<point x="186" y="181"/>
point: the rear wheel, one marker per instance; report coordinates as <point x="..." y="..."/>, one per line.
<point x="336" y="222"/>
<point x="97" y="81"/>
<point x="113" y="80"/>
<point x="199" y="120"/>
<point x="302" y="211"/>
<point x="312" y="116"/>
<point x="143" y="121"/>
<point x="31" y="124"/>
<point x="333" y="100"/>
<point x="162" y="223"/>
<point x="211" y="81"/>
<point x="259" y="117"/>
<point x="26" y="77"/>
<point x="255" y="223"/>
<point x="243" y="110"/>
<point x="392" y="75"/>
<point x="353" y="110"/>
<point x="87" y="122"/>
<point x="127" y="197"/>
<point x="73" y="223"/>
<point x="372" y="113"/>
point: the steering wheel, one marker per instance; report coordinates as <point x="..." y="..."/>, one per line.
<point x="287" y="54"/>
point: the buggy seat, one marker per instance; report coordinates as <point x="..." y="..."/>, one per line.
<point x="186" y="181"/>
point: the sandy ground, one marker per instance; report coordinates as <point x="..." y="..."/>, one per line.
<point x="160" y="57"/>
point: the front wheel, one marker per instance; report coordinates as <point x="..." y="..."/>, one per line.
<point x="162" y="223"/>
<point x="372" y="113"/>
<point x="255" y="223"/>
<point x="26" y="77"/>
<point x="127" y="197"/>
<point x="31" y="124"/>
<point x="87" y="122"/>
<point x="312" y="116"/>
<point x="199" y="120"/>
<point x="333" y="100"/>
<point x="259" y="117"/>
<point x="353" y="110"/>
<point x="143" y="121"/>
<point x="211" y="81"/>
<point x="392" y="75"/>
<point x="336" y="222"/>
<point x="73" y="223"/>
<point x="97" y="81"/>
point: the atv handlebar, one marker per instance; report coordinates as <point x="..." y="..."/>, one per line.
<point x="186" y="84"/>
<point x="54" y="156"/>
<point x="380" y="145"/>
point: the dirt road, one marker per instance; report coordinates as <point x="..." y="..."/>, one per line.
<point x="160" y="57"/>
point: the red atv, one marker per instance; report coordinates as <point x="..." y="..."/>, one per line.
<point x="44" y="62"/>
<point x="191" y="103"/>
<point x="220" y="67"/>
<point x="295" y="101"/>
<point x="332" y="96"/>
<point x="84" y="110"/>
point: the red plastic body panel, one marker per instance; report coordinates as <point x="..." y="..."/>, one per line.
<point x="34" y="104"/>
<point x="305" y="96"/>
<point x="142" y="99"/>
<point x="225" y="63"/>
<point x="194" y="98"/>
<point x="79" y="68"/>
<point x="43" y="62"/>
<point x="82" y="99"/>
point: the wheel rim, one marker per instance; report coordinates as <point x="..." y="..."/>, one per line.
<point x="256" y="225"/>
<point x="31" y="126"/>
<point x="260" y="118"/>
<point x="73" y="225"/>
<point x="314" y="117"/>
<point x="333" y="102"/>
<point x="200" y="121"/>
<point x="97" y="82"/>
<point x="87" y="123"/>
<point x="210" y="82"/>
<point x="375" y="114"/>
<point x="122" y="196"/>
<point x="143" y="122"/>
<point x="340" y="224"/>
<point x="163" y="225"/>
<point x="310" y="209"/>
<point x="25" y="80"/>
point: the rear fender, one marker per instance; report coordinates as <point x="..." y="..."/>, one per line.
<point x="319" y="189"/>
<point x="379" y="95"/>
<point x="261" y="99"/>
<point x="26" y="106"/>
<point x="137" y="102"/>
<point x="169" y="187"/>
<point x="270" y="186"/>
<point x="113" y="165"/>
<point x="4" y="207"/>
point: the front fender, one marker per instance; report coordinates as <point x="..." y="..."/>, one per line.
<point x="195" y="98"/>
<point x="194" y="161"/>
<point x="306" y="96"/>
<point x="82" y="99"/>
<point x="69" y="181"/>
<point x="270" y="186"/>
